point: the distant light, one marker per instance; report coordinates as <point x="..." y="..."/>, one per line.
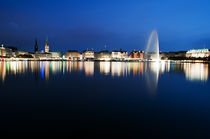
<point x="198" y="51"/>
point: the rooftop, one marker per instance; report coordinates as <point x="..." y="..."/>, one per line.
<point x="198" y="51"/>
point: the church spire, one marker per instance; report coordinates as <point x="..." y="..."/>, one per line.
<point x="46" y="46"/>
<point x="46" y="42"/>
<point x="36" y="46"/>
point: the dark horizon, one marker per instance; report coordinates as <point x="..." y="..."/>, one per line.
<point x="78" y="25"/>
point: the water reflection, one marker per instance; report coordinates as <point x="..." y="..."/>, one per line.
<point x="89" y="68"/>
<point x="105" y="67"/>
<point x="2" y="71"/>
<point x="150" y="70"/>
<point x="196" y="71"/>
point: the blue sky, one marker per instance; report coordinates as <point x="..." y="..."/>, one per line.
<point x="126" y="24"/>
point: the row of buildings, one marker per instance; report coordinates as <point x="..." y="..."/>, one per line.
<point x="12" y="53"/>
<point x="191" y="54"/>
<point x="198" y="53"/>
<point x="104" y="55"/>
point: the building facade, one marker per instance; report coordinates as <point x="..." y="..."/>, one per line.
<point x="103" y="55"/>
<point x="47" y="47"/>
<point x="88" y="55"/>
<point x="136" y="55"/>
<point x="11" y="51"/>
<point x="173" y="55"/>
<point x="198" y="53"/>
<point x="23" y="53"/>
<point x="119" y="55"/>
<point x="2" y="51"/>
<point x="73" y="55"/>
<point x="56" y="55"/>
<point x="43" y="56"/>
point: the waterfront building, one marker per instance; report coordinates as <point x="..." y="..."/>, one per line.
<point x="47" y="47"/>
<point x="23" y="53"/>
<point x="88" y="55"/>
<point x="119" y="55"/>
<point x="2" y="51"/>
<point x="173" y="55"/>
<point x="73" y="55"/>
<point x="198" y="53"/>
<point x="43" y="56"/>
<point x="36" y="46"/>
<point x="56" y="55"/>
<point x="103" y="55"/>
<point x="11" y="51"/>
<point x="136" y="55"/>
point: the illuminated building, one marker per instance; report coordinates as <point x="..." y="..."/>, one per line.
<point x="119" y="55"/>
<point x="103" y="55"/>
<point x="2" y="51"/>
<point x="136" y="55"/>
<point x="198" y="53"/>
<point x="88" y="55"/>
<point x="47" y="49"/>
<point x="73" y="55"/>
<point x="23" y="53"/>
<point x="43" y="56"/>
<point x="11" y="51"/>
<point x="56" y="55"/>
<point x="172" y="55"/>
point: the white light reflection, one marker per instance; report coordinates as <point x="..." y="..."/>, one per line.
<point x="2" y="71"/>
<point x="196" y="71"/>
<point x="152" y="73"/>
<point x="150" y="70"/>
<point x="105" y="67"/>
<point x="89" y="68"/>
<point x="117" y="69"/>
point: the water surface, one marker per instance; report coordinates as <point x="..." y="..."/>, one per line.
<point x="130" y="99"/>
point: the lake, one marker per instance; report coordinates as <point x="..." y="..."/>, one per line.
<point x="105" y="99"/>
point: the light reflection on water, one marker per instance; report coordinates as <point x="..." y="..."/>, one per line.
<point x="196" y="72"/>
<point x="105" y="67"/>
<point x="151" y="70"/>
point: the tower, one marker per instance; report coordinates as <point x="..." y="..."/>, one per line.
<point x="46" y="46"/>
<point x="36" y="46"/>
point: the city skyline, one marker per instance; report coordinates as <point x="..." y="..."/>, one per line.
<point x="105" y="68"/>
<point x="78" y="25"/>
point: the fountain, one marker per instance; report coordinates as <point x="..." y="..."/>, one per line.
<point x="152" y="50"/>
<point x="153" y="68"/>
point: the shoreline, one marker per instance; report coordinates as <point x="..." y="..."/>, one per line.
<point x="64" y="60"/>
